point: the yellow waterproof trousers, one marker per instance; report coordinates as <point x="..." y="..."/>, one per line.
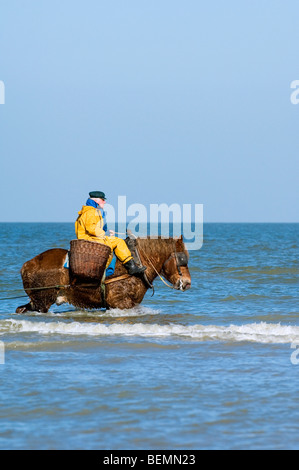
<point x="119" y="247"/>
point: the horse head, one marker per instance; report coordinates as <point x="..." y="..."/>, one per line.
<point x="175" y="268"/>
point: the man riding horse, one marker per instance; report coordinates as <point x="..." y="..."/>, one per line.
<point x="91" y="225"/>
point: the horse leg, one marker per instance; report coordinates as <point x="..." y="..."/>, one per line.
<point x="26" y="308"/>
<point x="40" y="307"/>
<point x="42" y="302"/>
<point x="46" y="269"/>
<point x="23" y="308"/>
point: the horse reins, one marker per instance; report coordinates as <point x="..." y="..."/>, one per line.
<point x="181" y="260"/>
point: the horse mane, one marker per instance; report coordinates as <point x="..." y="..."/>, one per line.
<point x="161" y="245"/>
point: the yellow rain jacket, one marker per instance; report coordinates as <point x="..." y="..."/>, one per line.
<point x="90" y="226"/>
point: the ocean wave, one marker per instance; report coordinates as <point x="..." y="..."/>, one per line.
<point x="274" y="333"/>
<point x="138" y="311"/>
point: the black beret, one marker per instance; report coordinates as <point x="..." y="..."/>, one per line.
<point x="97" y="194"/>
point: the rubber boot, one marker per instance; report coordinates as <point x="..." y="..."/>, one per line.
<point x="133" y="269"/>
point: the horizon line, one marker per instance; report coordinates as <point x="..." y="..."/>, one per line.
<point x="171" y="223"/>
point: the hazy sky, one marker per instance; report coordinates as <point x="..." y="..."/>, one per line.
<point x="162" y="101"/>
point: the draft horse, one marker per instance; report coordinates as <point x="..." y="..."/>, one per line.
<point x="46" y="281"/>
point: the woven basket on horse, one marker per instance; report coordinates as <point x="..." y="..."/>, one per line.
<point x="88" y="259"/>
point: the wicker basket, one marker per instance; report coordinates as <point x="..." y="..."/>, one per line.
<point x="88" y="259"/>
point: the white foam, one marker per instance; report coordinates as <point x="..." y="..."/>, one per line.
<point x="112" y="313"/>
<point x="254" y="332"/>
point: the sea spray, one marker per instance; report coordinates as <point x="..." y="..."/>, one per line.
<point x="263" y="332"/>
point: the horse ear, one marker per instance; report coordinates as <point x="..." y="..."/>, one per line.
<point x="180" y="243"/>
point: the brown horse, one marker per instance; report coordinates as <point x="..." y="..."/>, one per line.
<point x="160" y="256"/>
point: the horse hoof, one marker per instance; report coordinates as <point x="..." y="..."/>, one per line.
<point x="21" y="310"/>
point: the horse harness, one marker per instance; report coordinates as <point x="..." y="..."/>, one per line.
<point x="181" y="259"/>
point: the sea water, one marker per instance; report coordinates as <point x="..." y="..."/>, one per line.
<point x="215" y="367"/>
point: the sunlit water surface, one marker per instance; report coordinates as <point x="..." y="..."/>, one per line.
<point x="214" y="367"/>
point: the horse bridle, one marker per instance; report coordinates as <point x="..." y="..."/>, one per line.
<point x="181" y="259"/>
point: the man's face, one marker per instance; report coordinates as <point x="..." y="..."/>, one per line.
<point x="101" y="202"/>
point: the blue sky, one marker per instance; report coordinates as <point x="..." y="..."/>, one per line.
<point x="162" y="101"/>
